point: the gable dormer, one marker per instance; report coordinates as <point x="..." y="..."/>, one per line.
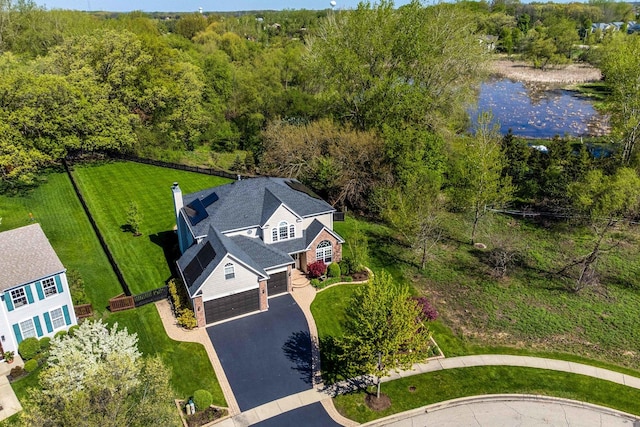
<point x="279" y="221"/>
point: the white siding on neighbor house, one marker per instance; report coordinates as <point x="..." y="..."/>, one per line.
<point x="39" y="311"/>
<point x="281" y="214"/>
<point x="250" y="232"/>
<point x="217" y="286"/>
<point x="325" y="219"/>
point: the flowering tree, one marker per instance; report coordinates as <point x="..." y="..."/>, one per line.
<point x="97" y="377"/>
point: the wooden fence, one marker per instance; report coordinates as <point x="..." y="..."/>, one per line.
<point x="121" y="302"/>
<point x="83" y="310"/>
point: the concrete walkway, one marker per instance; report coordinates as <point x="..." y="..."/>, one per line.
<point x="9" y="403"/>
<point x="304" y="295"/>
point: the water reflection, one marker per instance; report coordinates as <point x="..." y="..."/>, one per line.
<point x="538" y="110"/>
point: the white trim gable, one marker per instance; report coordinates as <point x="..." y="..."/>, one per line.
<point x="216" y="285"/>
<point x="333" y="233"/>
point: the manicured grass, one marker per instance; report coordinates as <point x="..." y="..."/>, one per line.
<point x="189" y="363"/>
<point x="328" y="309"/>
<point x="454" y="383"/>
<point x="109" y="188"/>
<point x="54" y="205"/>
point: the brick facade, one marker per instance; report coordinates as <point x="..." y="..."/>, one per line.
<point x="198" y="308"/>
<point x="264" y="303"/>
<point x="310" y="256"/>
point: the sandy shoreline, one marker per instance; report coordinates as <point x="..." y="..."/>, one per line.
<point x="566" y="74"/>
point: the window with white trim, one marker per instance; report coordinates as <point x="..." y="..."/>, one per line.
<point x="324" y="252"/>
<point x="27" y="329"/>
<point x="229" y="271"/>
<point x="283" y="231"/>
<point x="57" y="318"/>
<point x="18" y="297"/>
<point x="49" y="287"/>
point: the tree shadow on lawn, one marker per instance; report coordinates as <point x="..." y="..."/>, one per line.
<point x="299" y="350"/>
<point x="168" y="241"/>
<point x="338" y="376"/>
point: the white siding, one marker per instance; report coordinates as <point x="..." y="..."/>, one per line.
<point x="325" y="219"/>
<point x="217" y="286"/>
<point x="281" y="214"/>
<point x="37" y="308"/>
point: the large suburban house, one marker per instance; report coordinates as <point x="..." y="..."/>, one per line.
<point x="241" y="241"/>
<point x="35" y="292"/>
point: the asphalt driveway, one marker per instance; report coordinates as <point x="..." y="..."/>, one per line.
<point x="312" y="415"/>
<point x="265" y="356"/>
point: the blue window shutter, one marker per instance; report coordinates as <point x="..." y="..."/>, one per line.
<point x="8" y="301"/>
<point x="17" y="333"/>
<point x="47" y="321"/>
<point x="27" y="290"/>
<point x="65" y="311"/>
<point x="58" y="284"/>
<point x="36" y="322"/>
<point x="39" y="290"/>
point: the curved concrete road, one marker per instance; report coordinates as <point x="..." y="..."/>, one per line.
<point x="505" y="410"/>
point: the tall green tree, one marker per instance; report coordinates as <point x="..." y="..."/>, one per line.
<point x="606" y="202"/>
<point x="377" y="64"/>
<point x="384" y="330"/>
<point x="476" y="180"/>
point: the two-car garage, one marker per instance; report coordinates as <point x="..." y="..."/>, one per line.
<point x="245" y="302"/>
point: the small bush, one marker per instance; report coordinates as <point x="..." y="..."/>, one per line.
<point x="60" y="334"/>
<point x="76" y="286"/>
<point x="31" y="365"/>
<point x="333" y="270"/>
<point x="73" y="329"/>
<point x="315" y="283"/>
<point x="344" y="267"/>
<point x="203" y="399"/>
<point x="29" y="347"/>
<point x="175" y="298"/>
<point x="316" y="269"/>
<point x="426" y="309"/>
<point x="187" y="319"/>
<point x="45" y="342"/>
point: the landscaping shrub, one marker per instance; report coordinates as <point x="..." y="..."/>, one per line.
<point x="29" y="347"/>
<point x="60" y="334"/>
<point x="316" y="269"/>
<point x="187" y="319"/>
<point x="333" y="270"/>
<point x="76" y="286"/>
<point x="31" y="365"/>
<point x="73" y="329"/>
<point x="315" y="283"/>
<point x="203" y="399"/>
<point x="427" y="310"/>
<point x="344" y="267"/>
<point x="45" y="342"/>
<point x="173" y="293"/>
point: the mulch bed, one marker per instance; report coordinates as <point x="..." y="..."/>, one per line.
<point x="377" y="404"/>
<point x="360" y="275"/>
<point x="203" y="417"/>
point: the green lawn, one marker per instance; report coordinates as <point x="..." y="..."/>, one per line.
<point x="109" y="188"/>
<point x="191" y="369"/>
<point x="454" y="383"/>
<point x="55" y="206"/>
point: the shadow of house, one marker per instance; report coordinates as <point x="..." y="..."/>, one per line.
<point x="168" y="241"/>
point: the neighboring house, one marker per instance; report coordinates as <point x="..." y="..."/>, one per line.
<point x="36" y="297"/>
<point x="240" y="242"/>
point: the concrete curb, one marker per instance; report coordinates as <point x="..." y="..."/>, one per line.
<point x="499" y="398"/>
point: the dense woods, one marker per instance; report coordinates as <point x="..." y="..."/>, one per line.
<point x="369" y="116"/>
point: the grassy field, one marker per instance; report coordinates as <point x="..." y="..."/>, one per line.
<point x="109" y="188"/>
<point x="55" y="206"/>
<point x="454" y="383"/>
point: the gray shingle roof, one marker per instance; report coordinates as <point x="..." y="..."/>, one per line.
<point x="222" y="245"/>
<point x="248" y="203"/>
<point x="27" y="256"/>
<point x="266" y="256"/>
<point x="308" y="236"/>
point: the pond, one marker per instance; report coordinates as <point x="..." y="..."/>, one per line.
<point x="538" y="110"/>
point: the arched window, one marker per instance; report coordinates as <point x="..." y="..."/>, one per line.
<point x="283" y="231"/>
<point x="324" y="252"/>
<point x="229" y="271"/>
